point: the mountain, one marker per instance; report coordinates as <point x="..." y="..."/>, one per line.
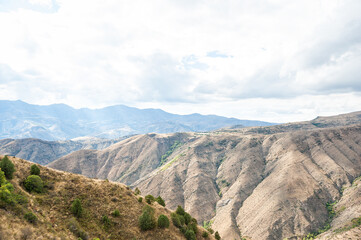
<point x="47" y="214"/>
<point x="259" y="183"/>
<point x="44" y="152"/>
<point x="60" y="122"/>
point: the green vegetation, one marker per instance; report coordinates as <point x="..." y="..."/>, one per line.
<point x="140" y="199"/>
<point x="34" y="183"/>
<point x="147" y="220"/>
<point x="184" y="221"/>
<point x="354" y="223"/>
<point x="217" y="236"/>
<point x="76" y="229"/>
<point x="164" y="157"/>
<point x="31" y="217"/>
<point x="137" y="191"/>
<point x="180" y="211"/>
<point x="116" y="213"/>
<point x="205" y="234"/>
<point x="190" y="235"/>
<point x="163" y="221"/>
<point x="76" y="208"/>
<point x="34" y="170"/>
<point x="106" y="222"/>
<point x="175" y="219"/>
<point x="6" y="189"/>
<point x="149" y="199"/>
<point x="7" y="167"/>
<point x="160" y="200"/>
<point x="166" y="166"/>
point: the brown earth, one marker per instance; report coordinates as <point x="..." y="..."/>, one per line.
<point x="259" y="183"/>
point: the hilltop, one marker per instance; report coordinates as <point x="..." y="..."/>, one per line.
<point x="52" y="209"/>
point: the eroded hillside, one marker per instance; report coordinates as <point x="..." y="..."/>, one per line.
<point x="259" y="183"/>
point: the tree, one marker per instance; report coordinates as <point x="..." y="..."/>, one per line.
<point x="7" y="167"/>
<point x="190" y="235"/>
<point x="160" y="200"/>
<point x="216" y="235"/>
<point x="76" y="208"/>
<point x="180" y="210"/>
<point x="34" y="170"/>
<point x="34" y="183"/>
<point x="163" y="221"/>
<point x="149" y="199"/>
<point x="147" y="219"/>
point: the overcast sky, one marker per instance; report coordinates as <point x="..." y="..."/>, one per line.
<point x="276" y="60"/>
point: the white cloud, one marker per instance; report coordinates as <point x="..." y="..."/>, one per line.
<point x="197" y="54"/>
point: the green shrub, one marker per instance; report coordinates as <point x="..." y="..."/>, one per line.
<point x="181" y="219"/>
<point x="193" y="227"/>
<point x="210" y="230"/>
<point x="6" y="190"/>
<point x="187" y="218"/>
<point x="140" y="199"/>
<point x="76" y="208"/>
<point x="34" y="183"/>
<point x="106" y="222"/>
<point x="216" y="235"/>
<point x="136" y="191"/>
<point x="190" y="235"/>
<point x="7" y="167"/>
<point x="163" y="221"/>
<point x="2" y="178"/>
<point x="31" y="217"/>
<point x="149" y="199"/>
<point x="34" y="170"/>
<point x="205" y="234"/>
<point x="116" y="213"/>
<point x="175" y="220"/>
<point x="180" y="210"/>
<point x="147" y="220"/>
<point x="160" y="200"/>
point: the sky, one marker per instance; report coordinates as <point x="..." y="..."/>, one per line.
<point x="275" y="60"/>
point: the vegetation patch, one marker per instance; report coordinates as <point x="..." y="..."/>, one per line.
<point x="166" y="166"/>
<point x="165" y="156"/>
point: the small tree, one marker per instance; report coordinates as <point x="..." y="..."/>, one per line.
<point x="116" y="213"/>
<point x="34" y="183"/>
<point x="136" y="191"/>
<point x="180" y="210"/>
<point x="217" y="236"/>
<point x="149" y="199"/>
<point x="147" y="220"/>
<point x="106" y="222"/>
<point x="205" y="234"/>
<point x="175" y="219"/>
<point x="76" y="208"/>
<point x="31" y="217"/>
<point x="163" y="221"/>
<point x="190" y="235"/>
<point x="160" y="200"/>
<point x="187" y="218"/>
<point x="7" y="167"/>
<point x="34" y="170"/>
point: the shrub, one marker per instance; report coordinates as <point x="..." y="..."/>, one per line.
<point x="140" y="199"/>
<point x="76" y="208"/>
<point x="6" y="189"/>
<point x="187" y="218"/>
<point x="210" y="230"/>
<point x="106" y="222"/>
<point x="136" y="191"/>
<point x="193" y="227"/>
<point x="149" y="199"/>
<point x="163" y="221"/>
<point x="205" y="234"/>
<point x="75" y="228"/>
<point x="34" y="170"/>
<point x="116" y="213"/>
<point x="180" y="210"/>
<point x="216" y="235"/>
<point x="175" y="220"/>
<point x="7" y="167"/>
<point x="147" y="220"/>
<point x="160" y="200"/>
<point x="2" y="177"/>
<point x="34" y="183"/>
<point x="31" y="217"/>
<point x="190" y="235"/>
<point x="181" y="219"/>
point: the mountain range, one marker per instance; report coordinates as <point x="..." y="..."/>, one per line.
<point x="62" y="122"/>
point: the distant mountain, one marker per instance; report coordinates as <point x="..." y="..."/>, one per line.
<point x="60" y="122"/>
<point x="44" y="152"/>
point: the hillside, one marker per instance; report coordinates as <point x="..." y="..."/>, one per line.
<point x="268" y="184"/>
<point x="44" y="152"/>
<point x="61" y="122"/>
<point x="52" y="208"/>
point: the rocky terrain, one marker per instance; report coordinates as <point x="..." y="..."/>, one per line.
<point x="53" y="217"/>
<point x="44" y="152"/>
<point x="256" y="183"/>
<point x="62" y="122"/>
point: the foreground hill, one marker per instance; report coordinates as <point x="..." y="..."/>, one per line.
<point x="60" y="122"/>
<point x="53" y="216"/>
<point x="259" y="183"/>
<point x="44" y="152"/>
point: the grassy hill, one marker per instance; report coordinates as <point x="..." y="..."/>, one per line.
<point x="48" y="214"/>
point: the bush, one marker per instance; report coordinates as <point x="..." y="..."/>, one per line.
<point x="210" y="230"/>
<point x="149" y="199"/>
<point x="190" y="235"/>
<point x="216" y="235"/>
<point x="34" y="170"/>
<point x="76" y="208"/>
<point x="106" y="222"/>
<point x="181" y="219"/>
<point x="140" y="199"/>
<point x="34" y="183"/>
<point x="180" y="210"/>
<point x="193" y="227"/>
<point x="205" y="234"/>
<point x="7" y="167"/>
<point x="163" y="221"/>
<point x="175" y="220"/>
<point x="31" y="217"/>
<point x="116" y="213"/>
<point x="160" y="200"/>
<point x="136" y="191"/>
<point x="187" y="218"/>
<point x="6" y="189"/>
<point x="147" y="219"/>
